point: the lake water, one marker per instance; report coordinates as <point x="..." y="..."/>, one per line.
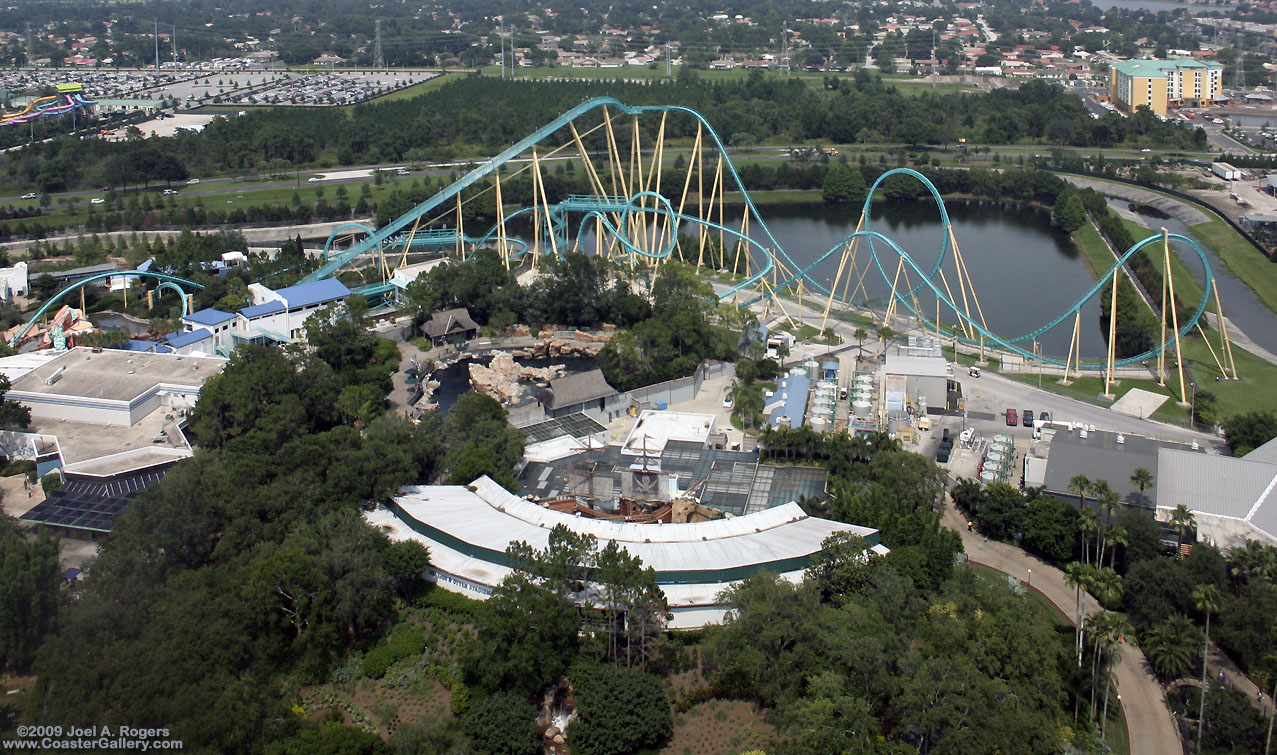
<point x="1024" y="271"/>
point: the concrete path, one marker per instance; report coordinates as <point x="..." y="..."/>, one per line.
<point x="1149" y="725"/>
<point x="1186" y="214"/>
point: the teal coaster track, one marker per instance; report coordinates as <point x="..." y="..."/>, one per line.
<point x="166" y="281"/>
<point x="600" y="213"/>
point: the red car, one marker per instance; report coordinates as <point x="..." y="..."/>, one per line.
<point x="1012" y="418"/>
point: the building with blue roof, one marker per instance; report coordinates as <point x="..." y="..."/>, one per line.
<point x="191" y="341"/>
<point x="788" y="407"/>
<point x="220" y="325"/>
<point x="829" y="370"/>
<point x="262" y="310"/>
<point x="208" y="316"/>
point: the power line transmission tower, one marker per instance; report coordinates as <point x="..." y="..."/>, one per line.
<point x="669" y="69"/>
<point x="173" y="43"/>
<point x="378" y="57"/>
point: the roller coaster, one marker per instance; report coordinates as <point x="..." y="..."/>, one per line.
<point x="633" y="218"/>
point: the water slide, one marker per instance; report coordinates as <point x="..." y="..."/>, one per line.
<point x="46" y="106"/>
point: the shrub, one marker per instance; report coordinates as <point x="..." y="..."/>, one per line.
<point x="402" y="642"/>
<point x="50" y="483"/>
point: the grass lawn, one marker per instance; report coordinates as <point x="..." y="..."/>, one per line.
<point x="408" y="93"/>
<point x="1242" y="258"/>
<point x="1098" y="256"/>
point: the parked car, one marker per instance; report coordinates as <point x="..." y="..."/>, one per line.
<point x="170" y="192"/>
<point x="97" y="200"/>
<point x="1026" y="418"/>
<point x="1044" y="417"/>
<point x="1013" y="419"/>
<point x="29" y="195"/>
<point x="728" y="403"/>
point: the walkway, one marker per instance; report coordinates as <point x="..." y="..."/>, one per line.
<point x="1149" y="725"/>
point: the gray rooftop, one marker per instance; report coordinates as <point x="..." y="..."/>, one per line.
<point x="1223" y="486"/>
<point x="116" y="375"/>
<point x="577" y="389"/>
<point x="1100" y="457"/>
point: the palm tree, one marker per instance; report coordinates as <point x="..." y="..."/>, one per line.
<point x="1079" y="486"/>
<point x="1142" y="479"/>
<point x="885" y="334"/>
<point x="860" y="334"/>
<point x="1108" y="500"/>
<point x="1088" y="526"/>
<point x="1117" y="536"/>
<point x="1183" y="522"/>
<point x="1254" y="561"/>
<point x="1117" y="629"/>
<point x="1079" y="577"/>
<point x="1169" y="646"/>
<point x="1208" y="600"/>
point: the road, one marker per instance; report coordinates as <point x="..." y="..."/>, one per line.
<point x="989" y="396"/>
<point x="1149" y="725"/>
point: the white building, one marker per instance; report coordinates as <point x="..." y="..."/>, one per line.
<point x="110" y="387"/>
<point x="273" y="317"/>
<point x="13" y="281"/>
<point x="467" y="529"/>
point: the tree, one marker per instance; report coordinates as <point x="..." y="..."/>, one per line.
<point x="528" y="640"/>
<point x="860" y="335"/>
<point x="1168" y="645"/>
<point x="29" y="577"/>
<point x="1080" y="577"/>
<point x="1068" y="214"/>
<point x="12" y="414"/>
<point x="843" y="183"/>
<point x="1142" y="479"/>
<point x="504" y="723"/>
<point x="1208" y="600"/>
<point x="1249" y="431"/>
<point x="1184" y="522"/>
<point x="620" y="710"/>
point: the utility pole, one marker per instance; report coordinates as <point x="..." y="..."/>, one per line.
<point x="30" y="46"/>
<point x="501" y="36"/>
<point x="378" y="57"/>
<point x="157" y="45"/>
<point x="784" y="47"/>
<point x="669" y="63"/>
<point x="933" y="57"/>
<point x="173" y="41"/>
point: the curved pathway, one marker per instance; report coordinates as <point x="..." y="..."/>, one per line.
<point x="1149" y="726"/>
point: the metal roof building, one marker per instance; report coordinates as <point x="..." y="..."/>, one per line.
<point x="468" y="528"/>
<point x="1232" y="498"/>
<point x="1102" y="455"/>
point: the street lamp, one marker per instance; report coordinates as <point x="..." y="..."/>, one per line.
<point x="1030" y="578"/>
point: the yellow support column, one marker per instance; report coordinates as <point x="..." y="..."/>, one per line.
<point x="1226" y="344"/>
<point x="1111" y="353"/>
<point x="545" y="204"/>
<point x="503" y="247"/>
<point x="1170" y="283"/>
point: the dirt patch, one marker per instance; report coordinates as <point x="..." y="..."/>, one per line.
<point x="720" y="727"/>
